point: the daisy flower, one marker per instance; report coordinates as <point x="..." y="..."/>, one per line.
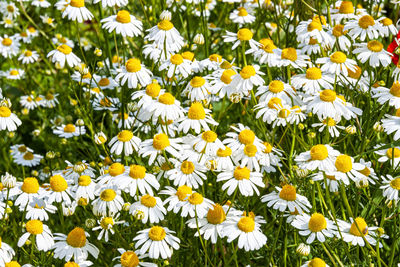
<point x="152" y="207"/>
<point x="177" y="197"/>
<point x="391" y="124"/>
<point x="355" y="232"/>
<point x="241" y="137"/>
<point x="198" y="89"/>
<point x="77" y="11"/>
<point x="207" y="143"/>
<point x="347" y="168"/>
<point x="391" y="154"/>
<point x="133" y="258"/>
<point x="246" y="79"/>
<point x="374" y="53"/>
<point x="123" y="23"/>
<point x="220" y="83"/>
<point x="60" y="190"/>
<point x="391" y="187"/>
<point x="176" y="65"/>
<point x="391" y="95"/>
<point x="9" y="47"/>
<point x="344" y="11"/>
<point x="164" y="34"/>
<point x="387" y="27"/>
<point x="320" y="157"/>
<point x="270" y="159"/>
<point x="243" y="35"/>
<point x="312" y="30"/>
<point x="125" y="142"/>
<point x="74" y="245"/>
<point x="264" y="52"/>
<point x="249" y="157"/>
<point x="40" y="3"/>
<point x="109" y="202"/>
<point x="196" y="206"/>
<point x="84" y="188"/>
<point x="291" y="57"/>
<point x="314" y="226"/>
<point x="187" y="173"/>
<point x="248" y="230"/>
<point x="134" y="73"/>
<point x="114" y="171"/>
<point x="26" y="191"/>
<point x="63" y="54"/>
<point x="28" y="57"/>
<point x="13" y="74"/>
<point x="340" y="37"/>
<point x="103" y="82"/>
<point x="167" y="108"/>
<point x="28" y="159"/>
<point x="241" y="16"/>
<point x="159" y="144"/>
<point x="8" y="120"/>
<point x="6" y="252"/>
<point x="277" y="89"/>
<point x="198" y="118"/>
<point x="331" y="124"/>
<point x="331" y="182"/>
<point x="287" y="198"/>
<point x="312" y="81"/>
<point x="135" y="179"/>
<point x="106" y="225"/>
<point x="69" y="130"/>
<point x="362" y="27"/>
<point x="157" y="241"/>
<point x="111" y="3"/>
<point x="337" y="63"/>
<point x="269" y="110"/>
<point x="43" y="236"/>
<point x="242" y="179"/>
<point x="316" y="261"/>
<point x="38" y="208"/>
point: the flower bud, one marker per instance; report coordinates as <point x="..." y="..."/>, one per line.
<point x="98" y="52"/>
<point x="80" y="122"/>
<point x="311" y="135"/>
<point x="90" y="223"/>
<point x="8" y="180"/>
<point x="351" y="129"/>
<point x="378" y="127"/>
<point x="50" y="155"/>
<point x="362" y="183"/>
<point x="235" y="98"/>
<point x="301" y="126"/>
<point x="100" y="138"/>
<point x="165" y="15"/>
<point x="303" y="249"/>
<point x="199" y="39"/>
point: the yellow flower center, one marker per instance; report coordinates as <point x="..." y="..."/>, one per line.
<point x="366" y="21"/>
<point x="355" y="74"/>
<point x="22" y="148"/>
<point x="123" y="16"/>
<point x="77" y="238"/>
<point x="133" y="65"/>
<point x="395" y="89"/>
<point x="216" y="215"/>
<point x="327" y="95"/>
<point x="276" y="86"/>
<point x="317" y="222"/>
<point x="166" y="99"/>
<point x="196" y="111"/>
<point x="106" y="221"/>
<point x="244" y="34"/>
<point x="157" y="233"/>
<point x="313" y="73"/>
<point x="241" y="173"/>
<point x="246" y="137"/>
<point x="317" y="262"/>
<point x="289" y="53"/>
<point x="393" y="152"/>
<point x="226" y="76"/>
<point x="247" y="72"/>
<point x="35" y="227"/>
<point x="224" y="152"/>
<point x="30" y="185"/>
<point x="215" y="58"/>
<point x="195" y="199"/>
<point x="160" y="141"/>
<point x="148" y="201"/>
<point x="108" y="195"/>
<point x="197" y="82"/>
<point x="338" y="30"/>
<point x="346" y="7"/>
<point x="319" y="19"/>
<point x="366" y="171"/>
<point x="397" y="112"/>
<point x="319" y="152"/>
<point x="71" y="264"/>
<point x="116" y="169"/>
<point x="125" y="135"/>
<point x="338" y="57"/>
<point x="58" y="183"/>
<point x="129" y="259"/>
<point x="375" y="46"/>
<point x="274" y="103"/>
<point x="329" y="122"/>
<point x="176" y="59"/>
<point x="268" y="147"/>
<point x="28" y="156"/>
<point x="165" y="25"/>
<point x="267" y="45"/>
<point x="250" y="150"/>
<point x="65" y="49"/>
<point x="395" y="183"/>
<point x="153" y="90"/>
<point x="209" y="136"/>
<point x="137" y="172"/>
<point x="343" y="163"/>
<point x="242" y="12"/>
<point x="84" y="180"/>
<point x="183" y="192"/>
<point x="10" y="8"/>
<point x="246" y="224"/>
<point x="77" y="3"/>
<point x="288" y="193"/>
<point x="12" y="264"/>
<point x="386" y="22"/>
<point x="314" y="26"/>
<point x="187" y="167"/>
<point x="14" y="72"/>
<point x="69" y="128"/>
<point x="188" y="55"/>
<point x="284" y="113"/>
<point x="104" y="82"/>
<point x="6" y="42"/>
<point x="362" y="225"/>
<point x="5" y="112"/>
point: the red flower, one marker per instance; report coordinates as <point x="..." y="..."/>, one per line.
<point x="392" y="48"/>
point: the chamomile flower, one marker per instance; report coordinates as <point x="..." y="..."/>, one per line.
<point x="74" y="245"/>
<point x="312" y="30"/>
<point x="374" y="53"/>
<point x="176" y="65"/>
<point x="123" y="23"/>
<point x="331" y="182"/>
<point x="9" y="9"/>
<point x="207" y="143"/>
<point x="125" y="142"/>
<point x="337" y="63"/>
<point x="109" y="201"/>
<point x="111" y="3"/>
<point x="84" y="187"/>
<point x="320" y="157"/>
<point x="135" y="179"/>
<point x="391" y="187"/>
<point x="8" y="120"/>
<point x="312" y="81"/>
<point x="134" y="73"/>
<point x="103" y="82"/>
<point x="391" y="154"/>
<point x="362" y="27"/>
<point x="38" y="208"/>
<point x="391" y="124"/>
<point x="242" y="15"/>
<point x="387" y="27"/>
<point x="198" y="118"/>
<point x="347" y="168"/>
<point x="316" y="261"/>
<point x="28" y="159"/>
<point x="198" y="89"/>
<point x="28" y="57"/>
<point x="134" y="258"/>
<point x="69" y="130"/>
<point x="13" y="74"/>
<point x="264" y="52"/>
<point x="340" y="37"/>
<point x="160" y="143"/>
<point x="270" y="159"/>
<point x="152" y="207"/>
<point x="223" y="159"/>
<point x="40" y="3"/>
<point x="243" y="35"/>
<point x="331" y="125"/>
<point x="164" y="34"/>
<point x="196" y="206"/>
<point x="241" y="179"/>
<point x="115" y="170"/>
<point x="60" y="190"/>
<point x="248" y="230"/>
<point x="106" y="225"/>
<point x="42" y="235"/>
<point x="358" y="230"/>
<point x="391" y="95"/>
<point x="344" y="11"/>
<point x="167" y="108"/>
<point x="187" y="172"/>
<point x="9" y="47"/>
<point x="315" y="226"/>
<point x="241" y="137"/>
<point x="177" y="197"/>
<point x="76" y="11"/>
<point x="277" y="89"/>
<point x="6" y="252"/>
<point x="63" y="54"/>
<point x="291" y="57"/>
<point x="26" y="191"/>
<point x="287" y="198"/>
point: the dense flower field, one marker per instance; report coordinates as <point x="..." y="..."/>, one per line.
<point x="199" y="133"/>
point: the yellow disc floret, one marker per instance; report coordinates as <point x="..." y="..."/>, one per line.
<point x="317" y="222"/>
